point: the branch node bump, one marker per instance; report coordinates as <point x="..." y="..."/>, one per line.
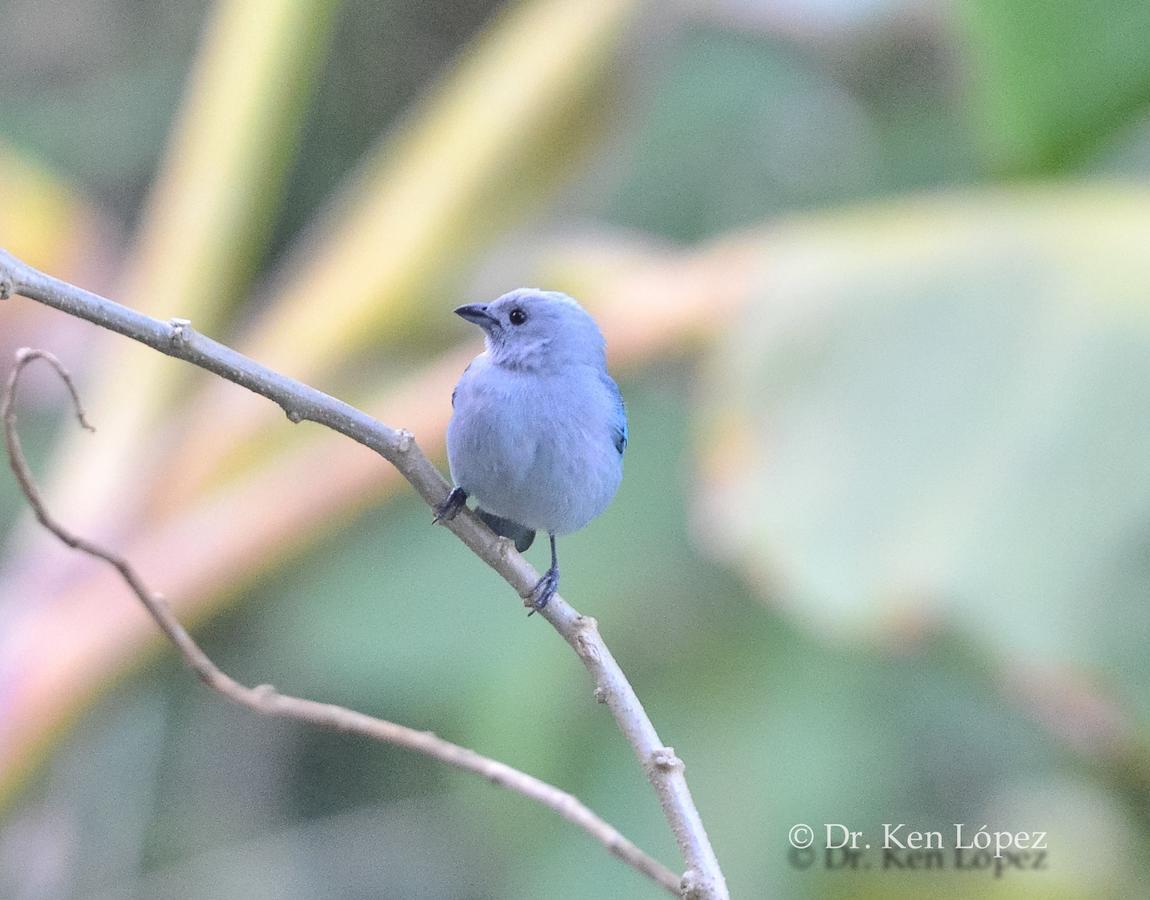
<point x="405" y="441"/>
<point x="587" y="623"/>
<point x="600" y="695"/>
<point x="665" y="760"/>
<point x="181" y="332"/>
<point x="587" y="632"/>
<point x="294" y="416"/>
<point x="692" y="885"/>
<point x="5" y="287"/>
<point x="264" y="691"/>
<point x="587" y="647"/>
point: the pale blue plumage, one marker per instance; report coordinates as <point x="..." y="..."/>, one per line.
<point x="538" y="428"/>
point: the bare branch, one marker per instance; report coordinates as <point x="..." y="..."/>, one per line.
<point x="703" y="878"/>
<point x="266" y="700"/>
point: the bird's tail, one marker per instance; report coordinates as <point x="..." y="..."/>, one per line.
<point x="506" y="528"/>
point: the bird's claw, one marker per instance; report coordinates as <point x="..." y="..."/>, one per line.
<point x="543" y="591"/>
<point x="449" y="508"/>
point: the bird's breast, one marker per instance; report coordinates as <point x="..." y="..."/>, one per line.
<point x="535" y="450"/>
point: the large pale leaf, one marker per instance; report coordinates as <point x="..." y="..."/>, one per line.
<point x="935" y="411"/>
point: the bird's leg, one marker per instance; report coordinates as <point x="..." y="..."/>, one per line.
<point x="548" y="584"/>
<point x="449" y="508"/>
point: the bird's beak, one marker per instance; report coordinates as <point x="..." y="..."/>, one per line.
<point x="478" y="314"/>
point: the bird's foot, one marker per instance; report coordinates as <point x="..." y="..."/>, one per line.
<point x="449" y="508"/>
<point x="542" y="593"/>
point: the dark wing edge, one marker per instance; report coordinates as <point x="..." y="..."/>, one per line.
<point x="619" y="426"/>
<point x="522" y="536"/>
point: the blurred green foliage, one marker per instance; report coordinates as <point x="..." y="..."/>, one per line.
<point x="1053" y="79"/>
<point x="96" y="74"/>
<point x="383" y="56"/>
<point x="978" y="405"/>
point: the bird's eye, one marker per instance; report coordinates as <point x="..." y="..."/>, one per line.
<point x="517" y="316"/>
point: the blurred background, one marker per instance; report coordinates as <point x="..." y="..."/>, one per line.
<point x="875" y="282"/>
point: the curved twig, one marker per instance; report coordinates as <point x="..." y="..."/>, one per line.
<point x="268" y="701"/>
<point x="703" y="878"/>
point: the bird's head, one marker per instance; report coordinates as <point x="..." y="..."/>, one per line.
<point x="535" y="330"/>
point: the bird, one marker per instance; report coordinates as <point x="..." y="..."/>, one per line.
<point x="538" y="426"/>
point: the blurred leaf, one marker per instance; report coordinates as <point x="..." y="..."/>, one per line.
<point x="738" y="130"/>
<point x="1051" y="79"/>
<point x="41" y="216"/>
<point x="199" y="237"/>
<point x="929" y="414"/>
<point x="90" y="93"/>
<point x="434" y="186"/>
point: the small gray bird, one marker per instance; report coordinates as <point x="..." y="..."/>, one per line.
<point x="538" y="427"/>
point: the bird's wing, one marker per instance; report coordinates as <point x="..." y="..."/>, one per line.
<point x="619" y="423"/>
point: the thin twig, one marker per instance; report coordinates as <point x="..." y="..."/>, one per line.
<point x="266" y="700"/>
<point x="703" y="879"/>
